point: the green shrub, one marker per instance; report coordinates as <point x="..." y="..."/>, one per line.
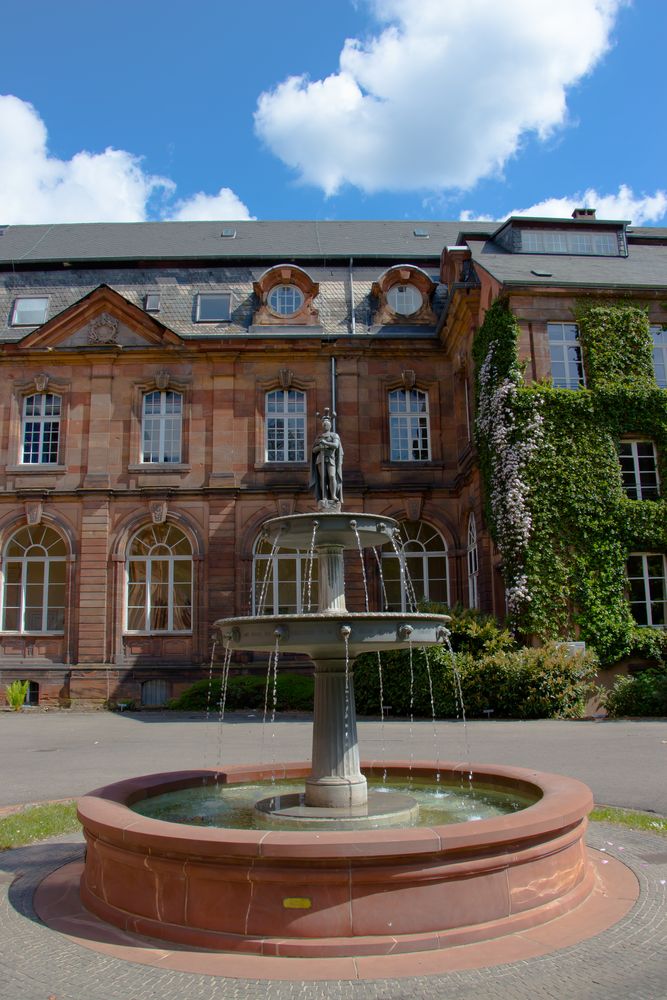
<point x="294" y="693"/>
<point x="643" y="693"/>
<point x="16" y="694"/>
<point x="516" y="684"/>
<point x="471" y="630"/>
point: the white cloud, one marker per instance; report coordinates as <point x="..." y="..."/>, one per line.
<point x="441" y="97"/>
<point x="90" y="187"/>
<point x="202" y="207"/>
<point x="622" y="205"/>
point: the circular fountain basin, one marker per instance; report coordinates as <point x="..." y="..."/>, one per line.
<point x="295" y="531"/>
<point x="316" y="894"/>
<point x="319" y="635"/>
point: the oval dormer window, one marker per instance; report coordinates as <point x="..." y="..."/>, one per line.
<point x="285" y="300"/>
<point x="404" y="299"/>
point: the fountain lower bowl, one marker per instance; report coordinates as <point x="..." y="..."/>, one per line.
<point x="316" y="894"/>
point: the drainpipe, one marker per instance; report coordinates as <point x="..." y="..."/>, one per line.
<point x="353" y="324"/>
<point x="333" y="392"/>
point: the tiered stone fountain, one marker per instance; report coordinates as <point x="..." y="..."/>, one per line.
<point x="318" y="891"/>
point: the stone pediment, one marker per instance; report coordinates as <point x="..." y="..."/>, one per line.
<point x="101" y="319"/>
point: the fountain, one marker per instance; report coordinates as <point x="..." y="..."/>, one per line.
<point x="360" y="875"/>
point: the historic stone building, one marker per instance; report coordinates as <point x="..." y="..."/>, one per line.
<point x="160" y="390"/>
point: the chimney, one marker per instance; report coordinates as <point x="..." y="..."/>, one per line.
<point x="583" y="213"/>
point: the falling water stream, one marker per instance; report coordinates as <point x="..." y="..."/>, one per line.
<point x="224" y="681"/>
<point x="309" y="568"/>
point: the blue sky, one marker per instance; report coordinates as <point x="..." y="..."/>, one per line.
<point x="439" y="109"/>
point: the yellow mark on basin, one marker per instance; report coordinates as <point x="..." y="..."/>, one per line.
<point x="297" y="903"/>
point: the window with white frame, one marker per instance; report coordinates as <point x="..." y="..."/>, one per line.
<point x="284" y="581"/>
<point x="34" y="581"/>
<point x="213" y="307"/>
<point x="285" y="425"/>
<point x="473" y="564"/>
<point x="404" y="299"/>
<point x="159" y="581"/>
<point x="285" y="300"/>
<point x="409" y="439"/>
<point x="161" y="426"/>
<point x="30" y="310"/>
<point x="41" y="429"/>
<point x="639" y="469"/>
<point x="567" y="369"/>
<point x="659" y="335"/>
<point x="420" y="572"/>
<point x="647" y="579"/>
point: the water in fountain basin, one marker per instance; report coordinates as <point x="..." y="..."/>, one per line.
<point x="233" y="806"/>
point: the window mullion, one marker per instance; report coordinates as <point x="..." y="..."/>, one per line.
<point x="24" y="583"/>
<point x="647" y="591"/>
<point x="170" y="594"/>
<point x="147" y="614"/>
<point x="635" y="460"/>
<point x="45" y="596"/>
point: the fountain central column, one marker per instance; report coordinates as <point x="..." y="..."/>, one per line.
<point x="336" y="781"/>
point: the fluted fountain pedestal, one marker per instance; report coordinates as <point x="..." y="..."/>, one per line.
<point x="336" y="781"/>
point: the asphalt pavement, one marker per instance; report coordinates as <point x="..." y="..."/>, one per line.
<point x="62" y="754"/>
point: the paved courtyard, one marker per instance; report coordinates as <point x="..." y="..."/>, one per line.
<point x="57" y="755"/>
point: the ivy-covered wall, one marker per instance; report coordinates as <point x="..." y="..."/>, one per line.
<point x="562" y="523"/>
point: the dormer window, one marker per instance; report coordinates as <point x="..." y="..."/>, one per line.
<point x="285" y="300"/>
<point x="404" y="294"/>
<point x="405" y="300"/>
<point x="582" y="236"/>
<point x="286" y="295"/>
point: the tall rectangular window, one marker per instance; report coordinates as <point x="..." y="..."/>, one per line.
<point x="659" y="335"/>
<point x="639" y="470"/>
<point x="162" y="426"/>
<point x="567" y="369"/>
<point x="286" y="426"/>
<point x="647" y="577"/>
<point x="409" y="426"/>
<point x="41" y="429"/>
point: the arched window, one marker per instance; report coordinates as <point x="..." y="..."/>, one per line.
<point x="159" y="581"/>
<point x="34" y="575"/>
<point x="161" y="426"/>
<point x="41" y="429"/>
<point x="473" y="564"/>
<point x="286" y="426"/>
<point x="408" y="426"/>
<point x="284" y="582"/>
<point x="426" y="576"/>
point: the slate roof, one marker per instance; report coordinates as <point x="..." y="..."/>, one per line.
<point x="644" y="267"/>
<point x="288" y="240"/>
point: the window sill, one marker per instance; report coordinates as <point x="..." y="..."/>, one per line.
<point x="158" y="468"/>
<point x="31" y="635"/>
<point x="410" y="464"/>
<point x="151" y="635"/>
<point x="37" y="469"/>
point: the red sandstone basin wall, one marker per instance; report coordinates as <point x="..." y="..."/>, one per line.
<point x="335" y="893"/>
